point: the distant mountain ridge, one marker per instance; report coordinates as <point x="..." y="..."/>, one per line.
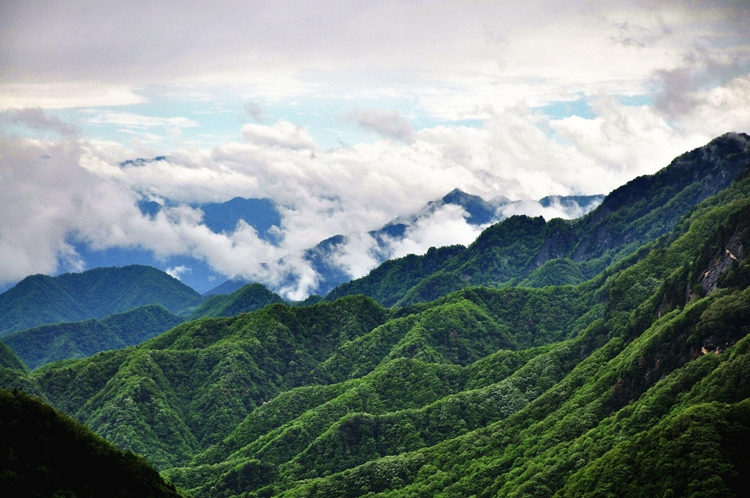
<point x="41" y="299"/>
<point x="47" y="343"/>
<point x="220" y="217"/>
<point x="638" y="212"/>
<point x="479" y="212"/>
<point x="264" y="216"/>
<point x="72" y="339"/>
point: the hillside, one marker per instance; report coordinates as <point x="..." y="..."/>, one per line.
<point x="519" y="248"/>
<point x="634" y="381"/>
<point x="9" y="360"/>
<point x="47" y="343"/>
<point x="69" y="340"/>
<point x="14" y="374"/>
<point x="44" y="453"/>
<point x="40" y="299"/>
<point x="657" y="382"/>
<point x="249" y="297"/>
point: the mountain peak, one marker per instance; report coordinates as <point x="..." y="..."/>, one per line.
<point x="41" y="299"/>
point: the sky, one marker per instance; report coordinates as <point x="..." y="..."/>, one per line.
<point x="347" y="114"/>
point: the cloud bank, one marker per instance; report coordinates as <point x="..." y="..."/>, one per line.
<point x="105" y="107"/>
<point x="73" y="189"/>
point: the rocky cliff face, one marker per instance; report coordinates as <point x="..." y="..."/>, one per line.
<point x="731" y="254"/>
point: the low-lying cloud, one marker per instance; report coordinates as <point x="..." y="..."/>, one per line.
<point x="66" y="190"/>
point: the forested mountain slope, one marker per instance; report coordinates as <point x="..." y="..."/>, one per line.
<point x="652" y="395"/>
<point x="247" y="298"/>
<point x="79" y="339"/>
<point x="8" y="359"/>
<point x="641" y="371"/>
<point x="40" y="299"/>
<point x="13" y="373"/>
<point x="190" y="387"/>
<point x="44" y="453"/>
<point x="47" y="343"/>
<point x="528" y="250"/>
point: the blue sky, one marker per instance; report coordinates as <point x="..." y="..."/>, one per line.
<point x="345" y="114"/>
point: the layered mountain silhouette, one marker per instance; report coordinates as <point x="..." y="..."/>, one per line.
<point x="97" y="293"/>
<point x="88" y="332"/>
<point x="323" y="261"/>
<point x="525" y="249"/>
<point x="606" y="355"/>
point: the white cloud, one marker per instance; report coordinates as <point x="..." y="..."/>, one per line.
<point x="255" y="111"/>
<point x="554" y="210"/>
<point x="45" y="198"/>
<point x="454" y="60"/>
<point x="36" y="119"/>
<point x="721" y="108"/>
<point x="387" y="124"/>
<point x="446" y="226"/>
<point x="283" y="134"/>
<point x="140" y="121"/>
<point x="357" y="256"/>
<point x="75" y="190"/>
<point x="69" y="94"/>
<point x="177" y="271"/>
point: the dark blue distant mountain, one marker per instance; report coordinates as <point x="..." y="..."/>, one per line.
<point x="227" y="287"/>
<point x="149" y="208"/>
<point x="142" y="161"/>
<point x="260" y="214"/>
<point x="264" y="217"/>
<point x="197" y="274"/>
<point x="219" y="217"/>
<point x="480" y="211"/>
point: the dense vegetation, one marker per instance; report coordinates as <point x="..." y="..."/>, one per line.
<point x="8" y="359"/>
<point x="48" y="343"/>
<point x="249" y="297"/>
<point x="631" y="379"/>
<point x="68" y="340"/>
<point x="40" y="299"/>
<point x="45" y="453"/>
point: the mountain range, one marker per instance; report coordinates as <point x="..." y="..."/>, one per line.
<point x="55" y="333"/>
<point x="330" y="273"/>
<point x="323" y="259"/>
<point x="97" y="293"/>
<point x="602" y="356"/>
<point x="534" y="252"/>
